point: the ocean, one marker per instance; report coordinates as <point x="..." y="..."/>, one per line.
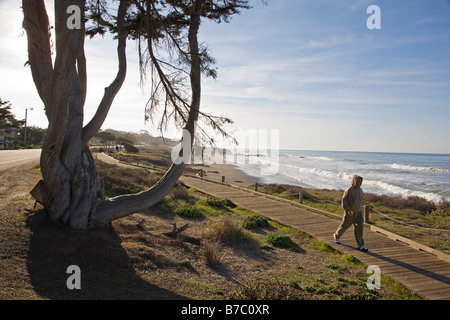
<point x="393" y="174"/>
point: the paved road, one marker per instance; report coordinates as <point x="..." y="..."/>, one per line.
<point x="13" y="158"/>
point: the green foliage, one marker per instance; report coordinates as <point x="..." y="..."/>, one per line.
<point x="33" y="146"/>
<point x="315" y="288"/>
<point x="188" y="212"/>
<point x="218" y="291"/>
<point x="294" y="285"/>
<point x="281" y="241"/>
<point x="442" y="209"/>
<point x="336" y="267"/>
<point x="186" y="263"/>
<point x="254" y="221"/>
<point x="322" y="246"/>
<point x="130" y="148"/>
<point x="351" y="259"/>
<point x="219" y="203"/>
<point x="7" y="118"/>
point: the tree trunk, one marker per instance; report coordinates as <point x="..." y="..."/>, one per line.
<point x="71" y="190"/>
<point x="69" y="177"/>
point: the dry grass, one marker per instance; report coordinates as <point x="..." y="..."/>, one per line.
<point x="212" y="252"/>
<point x="227" y="230"/>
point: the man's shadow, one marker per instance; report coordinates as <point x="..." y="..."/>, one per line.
<point x="106" y="271"/>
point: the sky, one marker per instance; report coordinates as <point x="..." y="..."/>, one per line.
<point x="310" y="70"/>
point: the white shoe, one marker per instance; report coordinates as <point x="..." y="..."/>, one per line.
<point x="363" y="249"/>
<point x="336" y="239"/>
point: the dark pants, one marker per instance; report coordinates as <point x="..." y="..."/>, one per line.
<point x="355" y="218"/>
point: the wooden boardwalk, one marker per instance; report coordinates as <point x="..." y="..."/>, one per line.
<point x="428" y="274"/>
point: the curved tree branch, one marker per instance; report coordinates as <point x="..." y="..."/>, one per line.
<point x="36" y="24"/>
<point x="82" y="74"/>
<point x="110" y="92"/>
<point x="121" y="206"/>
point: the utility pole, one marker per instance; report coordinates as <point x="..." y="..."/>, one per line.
<point x="25" y="131"/>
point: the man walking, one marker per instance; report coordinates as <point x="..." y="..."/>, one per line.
<point x="352" y="204"/>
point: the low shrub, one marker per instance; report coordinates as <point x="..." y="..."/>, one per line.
<point x="255" y="221"/>
<point x="219" y="203"/>
<point x="179" y="192"/>
<point x="226" y="230"/>
<point x="280" y="241"/>
<point x="188" y="212"/>
<point x="413" y="202"/>
<point x="442" y="209"/>
<point x="351" y="259"/>
<point x="336" y="267"/>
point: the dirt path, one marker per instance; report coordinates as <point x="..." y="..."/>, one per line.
<point x="15" y="205"/>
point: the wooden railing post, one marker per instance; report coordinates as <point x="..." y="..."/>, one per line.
<point x="366" y="214"/>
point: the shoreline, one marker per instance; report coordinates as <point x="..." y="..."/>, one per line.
<point x="232" y="174"/>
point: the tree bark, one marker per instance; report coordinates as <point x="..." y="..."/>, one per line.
<point x="61" y="151"/>
<point x="39" y="49"/>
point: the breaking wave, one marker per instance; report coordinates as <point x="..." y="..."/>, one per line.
<point x="426" y="176"/>
<point x="407" y="167"/>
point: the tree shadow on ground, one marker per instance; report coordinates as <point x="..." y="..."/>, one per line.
<point x="106" y="271"/>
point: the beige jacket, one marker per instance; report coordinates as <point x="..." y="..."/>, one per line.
<point x="353" y="197"/>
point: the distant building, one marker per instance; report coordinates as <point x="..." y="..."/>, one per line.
<point x="9" y="137"/>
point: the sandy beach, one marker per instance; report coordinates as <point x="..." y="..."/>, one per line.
<point x="232" y="174"/>
<point x="213" y="171"/>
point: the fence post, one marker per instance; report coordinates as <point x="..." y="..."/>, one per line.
<point x="300" y="197"/>
<point x="366" y="214"/>
<point x="256" y="186"/>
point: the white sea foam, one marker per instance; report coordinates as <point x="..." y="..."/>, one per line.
<point x="323" y="158"/>
<point x="408" y="167"/>
<point x="380" y="187"/>
<point x="426" y="176"/>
